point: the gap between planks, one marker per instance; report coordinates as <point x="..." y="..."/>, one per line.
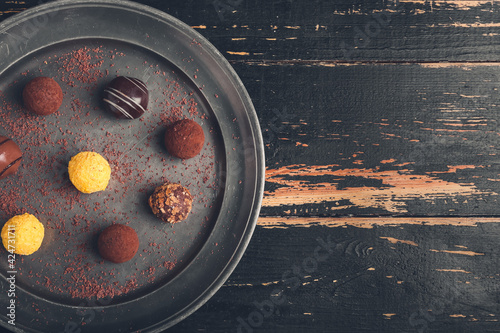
<point x="371" y="222"/>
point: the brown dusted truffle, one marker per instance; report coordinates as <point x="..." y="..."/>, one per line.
<point x="42" y="95"/>
<point x="10" y="157"/>
<point x="184" y="139"/>
<point x="118" y="243"/>
<point x="171" y="202"/>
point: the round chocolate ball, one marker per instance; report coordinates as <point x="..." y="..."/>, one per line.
<point x="184" y="139"/>
<point x="118" y="243"/>
<point x="171" y="202"/>
<point x="126" y="97"/>
<point x="42" y="95"/>
<point x="10" y="157"/>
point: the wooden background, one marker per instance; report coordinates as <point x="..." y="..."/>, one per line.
<point x="380" y="118"/>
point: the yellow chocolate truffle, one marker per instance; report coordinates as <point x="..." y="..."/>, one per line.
<point x="89" y="172"/>
<point x="24" y="233"/>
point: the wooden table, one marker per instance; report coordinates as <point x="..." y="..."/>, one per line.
<point x="380" y="121"/>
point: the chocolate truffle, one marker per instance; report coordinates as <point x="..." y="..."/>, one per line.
<point x="171" y="202"/>
<point x="126" y="97"/>
<point x="43" y="96"/>
<point x="10" y="157"/>
<point x="118" y="243"/>
<point x="184" y="139"/>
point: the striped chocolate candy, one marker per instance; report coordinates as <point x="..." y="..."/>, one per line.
<point x="10" y="157"/>
<point x="126" y="97"/>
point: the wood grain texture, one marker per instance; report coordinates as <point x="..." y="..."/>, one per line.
<point x="383" y="156"/>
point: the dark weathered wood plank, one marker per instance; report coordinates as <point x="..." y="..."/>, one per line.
<point x="11" y="7"/>
<point x="360" y="30"/>
<point x="389" y="138"/>
<point x="281" y="222"/>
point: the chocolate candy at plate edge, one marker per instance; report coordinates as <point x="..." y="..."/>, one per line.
<point x="10" y="157"/>
<point x="126" y="97"/>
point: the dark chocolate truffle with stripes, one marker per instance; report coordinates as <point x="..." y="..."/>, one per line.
<point x="126" y="97"/>
<point x="10" y="157"/>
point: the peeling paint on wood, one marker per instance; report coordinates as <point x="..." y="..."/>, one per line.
<point x="396" y="187"/>
<point x="401" y="132"/>
<point x="453" y="270"/>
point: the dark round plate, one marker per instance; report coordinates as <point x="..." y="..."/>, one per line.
<point x="66" y="286"/>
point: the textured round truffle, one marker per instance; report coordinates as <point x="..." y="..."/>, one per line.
<point x="126" y="97"/>
<point x="171" y="202"/>
<point x="10" y="157"/>
<point x="23" y="234"/>
<point x="89" y="172"/>
<point x="118" y="243"/>
<point x="184" y="139"/>
<point x="43" y="96"/>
